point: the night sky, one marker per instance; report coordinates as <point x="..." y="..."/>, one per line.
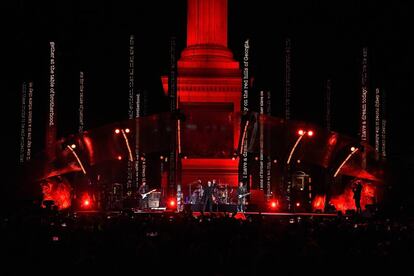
<point x="327" y="40"/>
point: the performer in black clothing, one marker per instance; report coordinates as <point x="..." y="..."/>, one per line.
<point x="357" y="189"/>
<point x="208" y="197"/>
<point x="241" y="197"/>
<point x="143" y="197"/>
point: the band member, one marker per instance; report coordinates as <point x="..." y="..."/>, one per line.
<point x="143" y="196"/>
<point x="215" y="191"/>
<point x="194" y="197"/>
<point x="357" y="189"/>
<point x="241" y="197"/>
<point x="208" y="197"/>
<point x="200" y="192"/>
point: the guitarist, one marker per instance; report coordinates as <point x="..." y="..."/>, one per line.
<point x="241" y="197"/>
<point x="143" y="201"/>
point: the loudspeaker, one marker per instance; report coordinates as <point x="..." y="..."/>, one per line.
<point x="154" y="200"/>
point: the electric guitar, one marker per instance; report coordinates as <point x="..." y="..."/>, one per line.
<point x="146" y="194"/>
<point x="243" y="195"/>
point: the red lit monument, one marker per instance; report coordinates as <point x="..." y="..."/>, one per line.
<point x="209" y="89"/>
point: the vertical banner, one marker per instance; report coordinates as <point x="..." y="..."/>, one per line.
<point x="268" y="143"/>
<point x="261" y="154"/>
<point x="172" y="80"/>
<point x="172" y="93"/>
<point x="364" y="103"/>
<point x="364" y="97"/>
<point x="29" y="121"/>
<point x="328" y="105"/>
<point x="328" y="124"/>
<point x="288" y="70"/>
<point x="81" y="101"/>
<point x="131" y="74"/>
<point x="377" y="120"/>
<point x="383" y="127"/>
<point x="287" y="178"/>
<point x="245" y="84"/>
<point x="137" y="136"/>
<point x="244" y="160"/>
<point x="22" y="151"/>
<point x="51" y="128"/>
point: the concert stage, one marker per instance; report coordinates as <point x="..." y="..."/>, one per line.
<point x="231" y="208"/>
<point x="196" y="211"/>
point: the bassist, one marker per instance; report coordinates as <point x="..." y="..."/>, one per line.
<point x="241" y="197"/>
<point x="143" y="200"/>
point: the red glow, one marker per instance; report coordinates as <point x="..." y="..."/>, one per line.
<point x="86" y="201"/>
<point x="319" y="202"/>
<point x="240" y="216"/>
<point x="127" y="130"/>
<point x="297" y="204"/>
<point x="273" y="204"/>
<point x="310" y="133"/>
<point x="301" y="132"/>
<point x="171" y="203"/>
<point x="58" y="191"/>
<point x="117" y="131"/>
<point x="119" y="157"/>
<point x="88" y="143"/>
<point x="332" y="140"/>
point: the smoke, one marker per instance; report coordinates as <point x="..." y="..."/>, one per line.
<point x="58" y="190"/>
<point x="345" y="201"/>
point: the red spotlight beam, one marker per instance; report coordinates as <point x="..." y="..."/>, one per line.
<point x="346" y="160"/>
<point x="243" y="137"/>
<point x="294" y="147"/>
<point x="131" y="158"/>
<point x="77" y="158"/>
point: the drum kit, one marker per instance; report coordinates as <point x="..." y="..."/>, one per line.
<point x="221" y="194"/>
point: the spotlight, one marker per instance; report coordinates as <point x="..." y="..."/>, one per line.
<point x="273" y="204"/>
<point x="86" y="201"/>
<point x="172" y="203"/>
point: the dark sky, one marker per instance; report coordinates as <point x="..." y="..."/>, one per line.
<point x="327" y="40"/>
